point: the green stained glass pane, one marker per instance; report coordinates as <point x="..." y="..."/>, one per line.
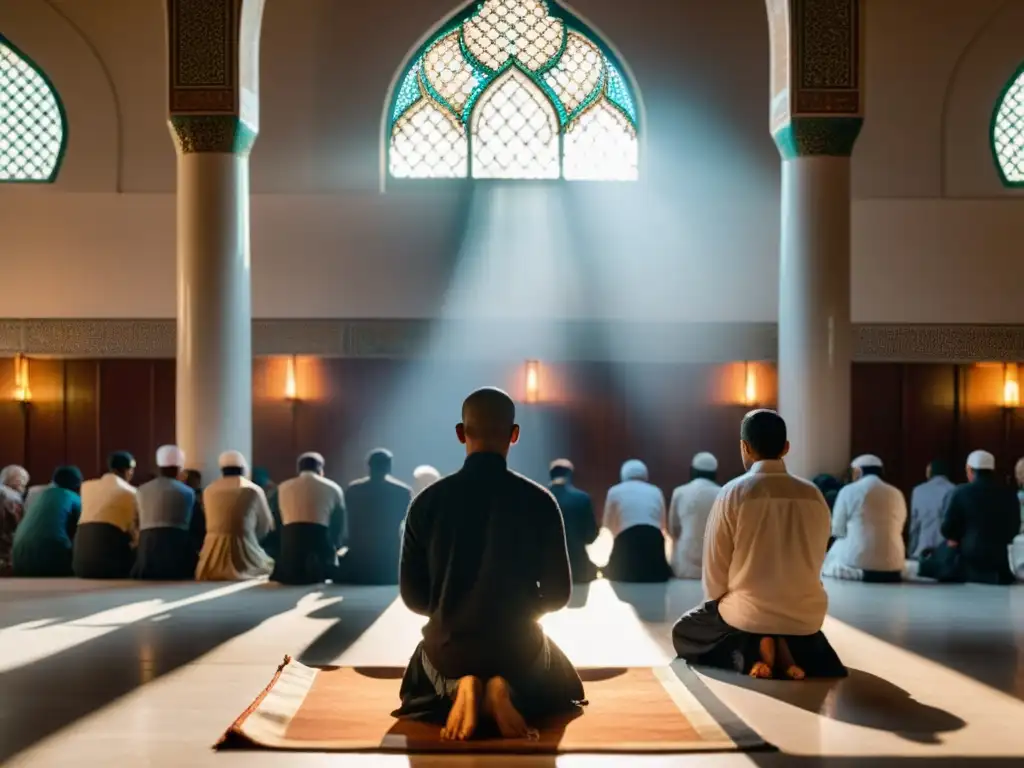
<point x="1008" y="132"/>
<point x="409" y="92"/>
<point x="618" y="91"/>
<point x="31" y="121"/>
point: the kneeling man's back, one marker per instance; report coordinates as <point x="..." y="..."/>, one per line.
<point x="764" y="548"/>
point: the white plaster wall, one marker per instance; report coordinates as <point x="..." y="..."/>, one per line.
<point x="935" y="234"/>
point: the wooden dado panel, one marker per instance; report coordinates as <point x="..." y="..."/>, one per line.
<point x="597" y="414"/>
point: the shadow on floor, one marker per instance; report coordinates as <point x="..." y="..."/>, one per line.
<point x="54" y="692"/>
<point x="649" y="601"/>
<point x="358" y="609"/>
<point x="861" y="699"/>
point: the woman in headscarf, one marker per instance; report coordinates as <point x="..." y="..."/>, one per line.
<point x="635" y="514"/>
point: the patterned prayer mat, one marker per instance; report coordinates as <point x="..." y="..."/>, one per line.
<point x="344" y="709"/>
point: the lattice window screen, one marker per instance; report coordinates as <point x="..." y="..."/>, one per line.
<point x="31" y="123"/>
<point x="1008" y="132"/>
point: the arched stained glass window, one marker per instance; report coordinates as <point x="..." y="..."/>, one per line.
<point x="1008" y="132"/>
<point x="32" y="124"/>
<point x="514" y="89"/>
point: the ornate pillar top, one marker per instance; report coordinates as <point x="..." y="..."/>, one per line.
<point x="817" y="102"/>
<point x="213" y="74"/>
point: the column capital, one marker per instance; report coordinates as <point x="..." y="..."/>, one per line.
<point x="213" y="74"/>
<point x="816" y="76"/>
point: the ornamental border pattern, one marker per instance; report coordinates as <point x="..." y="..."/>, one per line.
<point x="204" y="67"/>
<point x="667" y="343"/>
<point x="826" y="53"/>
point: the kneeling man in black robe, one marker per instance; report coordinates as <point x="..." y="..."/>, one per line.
<point x="484" y="557"/>
<point x="763" y="550"/>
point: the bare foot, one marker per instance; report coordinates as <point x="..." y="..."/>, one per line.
<point x="793" y="672"/>
<point x="462" y="720"/>
<point x="498" y="705"/>
<point x="763" y="668"/>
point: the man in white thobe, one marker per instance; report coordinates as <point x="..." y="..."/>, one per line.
<point x="636" y="515"/>
<point x="688" y="516"/>
<point x="867" y="523"/>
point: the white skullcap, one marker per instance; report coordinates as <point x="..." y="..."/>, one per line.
<point x="981" y="460"/>
<point x="317" y="457"/>
<point x="867" y="461"/>
<point x="705" y="462"/>
<point x="424" y="476"/>
<point x="561" y="464"/>
<point x="634" y="469"/>
<point x="232" y="459"/>
<point x="170" y="456"/>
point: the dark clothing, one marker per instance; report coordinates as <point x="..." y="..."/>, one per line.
<point x="580" y="528"/>
<point x="548" y="686"/>
<point x="983" y="517"/>
<point x="11" y="509"/>
<point x="484" y="557"/>
<point x="702" y="636"/>
<point x="638" y="555"/>
<point x="376" y="507"/>
<point x="272" y="544"/>
<point x="42" y="543"/>
<point x="307" y="555"/>
<point x="165" y="554"/>
<point x="102" y="551"/>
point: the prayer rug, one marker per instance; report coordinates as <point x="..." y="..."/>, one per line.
<point x="345" y="709"/>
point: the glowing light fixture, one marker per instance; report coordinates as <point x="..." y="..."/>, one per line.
<point x="22" y="390"/>
<point x="532" y="381"/>
<point x="749" y="384"/>
<point x="291" y="387"/>
<point x="1011" y="386"/>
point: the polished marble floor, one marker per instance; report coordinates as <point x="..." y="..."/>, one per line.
<point x="126" y="674"/>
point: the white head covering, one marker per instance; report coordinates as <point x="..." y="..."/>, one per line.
<point x="981" y="460"/>
<point x="705" y="462"/>
<point x="170" y="456"/>
<point x="867" y="461"/>
<point x="561" y="464"/>
<point x="317" y="457"/>
<point x="232" y="459"/>
<point x="424" y="476"/>
<point x="634" y="469"/>
<point x="1019" y="472"/>
<point x="14" y="476"/>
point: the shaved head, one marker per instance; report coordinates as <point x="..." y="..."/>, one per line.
<point x="489" y="420"/>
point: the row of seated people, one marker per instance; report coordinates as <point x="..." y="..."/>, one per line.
<point x="165" y="530"/>
<point x="485" y="555"/>
<point x="968" y="533"/>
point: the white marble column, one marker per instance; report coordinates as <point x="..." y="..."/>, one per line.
<point x="214" y="368"/>
<point x="814" y="312"/>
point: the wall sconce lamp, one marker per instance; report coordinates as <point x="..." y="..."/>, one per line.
<point x="291" y="387"/>
<point x="749" y="384"/>
<point x="22" y="390"/>
<point x="1011" y="386"/>
<point x="532" y="381"/>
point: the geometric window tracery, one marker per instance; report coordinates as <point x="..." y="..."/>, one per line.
<point x="514" y="89"/>
<point x="1008" y="132"/>
<point x="32" y="125"/>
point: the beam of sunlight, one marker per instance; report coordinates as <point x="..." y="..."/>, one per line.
<point x="30" y="642"/>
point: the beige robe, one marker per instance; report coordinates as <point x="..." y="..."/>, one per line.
<point x="237" y="519"/>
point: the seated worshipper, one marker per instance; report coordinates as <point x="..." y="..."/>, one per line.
<point x="1017" y="547"/>
<point x="13" y="481"/>
<point x="829" y="487"/>
<point x="312" y="512"/>
<point x="688" y="516"/>
<point x="237" y="518"/>
<point x="422" y="477"/>
<point x="376" y="509"/>
<point x="763" y="551"/>
<point x="108" y="529"/>
<point x="578" y="515"/>
<point x="927" y="503"/>
<point x="170" y="528"/>
<point x="634" y="513"/>
<point x="979" y="524"/>
<point x="43" y="541"/>
<point x="867" y="523"/>
<point x="484" y="557"/>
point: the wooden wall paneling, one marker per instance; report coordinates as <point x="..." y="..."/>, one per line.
<point x="273" y="427"/>
<point x="877" y="417"/>
<point x="82" y="416"/>
<point x="126" y="411"/>
<point x="164" y="394"/>
<point x="47" y="445"/>
<point x="982" y="418"/>
<point x="929" y="423"/>
<point x="12" y="418"/>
